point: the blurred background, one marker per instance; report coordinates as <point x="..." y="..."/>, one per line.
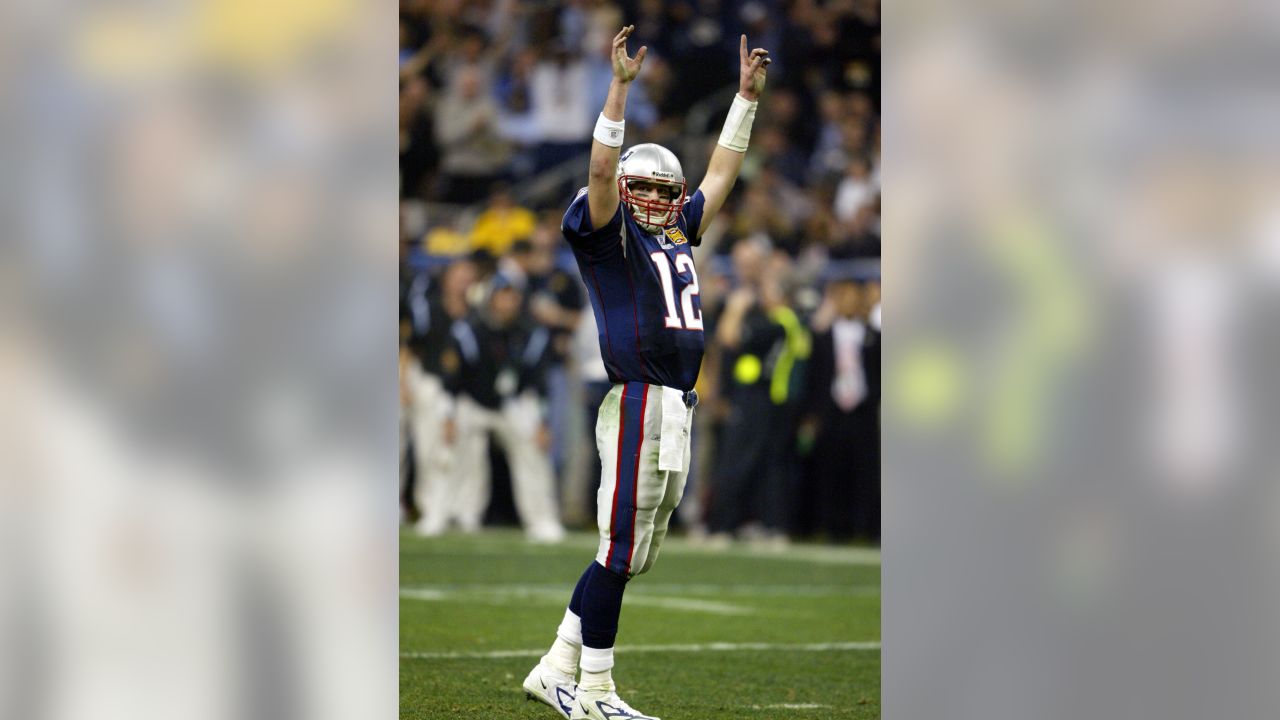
<point x="1080" y="462"/>
<point x="198" y="432"/>
<point x="498" y="99"/>
<point x="199" y="421"/>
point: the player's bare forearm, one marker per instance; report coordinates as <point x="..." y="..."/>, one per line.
<point x="602" y="190"/>
<point x="722" y="171"/>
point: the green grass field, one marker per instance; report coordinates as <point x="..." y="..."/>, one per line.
<point x="706" y="634"/>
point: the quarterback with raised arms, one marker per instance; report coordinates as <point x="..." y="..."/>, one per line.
<point x="631" y="230"/>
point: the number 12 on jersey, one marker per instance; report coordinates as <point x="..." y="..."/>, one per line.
<point x="684" y="263"/>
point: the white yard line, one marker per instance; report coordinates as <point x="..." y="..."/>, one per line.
<point x="693" y="648"/>
<point x="512" y="594"/>
<point x="442" y="592"/>
<point x="821" y="554"/>
<point x="757" y="590"/>
<point x="428" y="594"/>
<point x="689" y="604"/>
<point x="789" y="706"/>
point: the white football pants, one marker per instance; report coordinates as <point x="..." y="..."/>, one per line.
<point x="636" y="499"/>
<point x="515" y="427"/>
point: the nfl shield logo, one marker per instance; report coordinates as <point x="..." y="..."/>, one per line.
<point x="676" y="236"/>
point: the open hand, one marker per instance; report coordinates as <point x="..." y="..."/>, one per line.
<point x="751" y="71"/>
<point x="625" y="69"/>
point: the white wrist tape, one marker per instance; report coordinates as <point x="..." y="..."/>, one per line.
<point x="737" y="127"/>
<point x="609" y="132"/>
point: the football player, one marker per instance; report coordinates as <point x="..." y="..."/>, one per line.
<point x="631" y="230"/>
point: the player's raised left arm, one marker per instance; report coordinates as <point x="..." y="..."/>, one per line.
<point x="726" y="160"/>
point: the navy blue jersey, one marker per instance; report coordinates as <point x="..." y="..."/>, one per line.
<point x="644" y="292"/>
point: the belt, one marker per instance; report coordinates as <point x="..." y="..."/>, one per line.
<point x="688" y="397"/>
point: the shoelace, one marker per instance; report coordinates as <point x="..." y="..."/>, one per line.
<point x="619" y="703"/>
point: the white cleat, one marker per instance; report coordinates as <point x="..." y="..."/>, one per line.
<point x="604" y="705"/>
<point x="547" y="534"/>
<point x="551" y="687"/>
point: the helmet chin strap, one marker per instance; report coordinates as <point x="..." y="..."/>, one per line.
<point x="640" y="215"/>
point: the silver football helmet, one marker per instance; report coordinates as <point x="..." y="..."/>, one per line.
<point x="652" y="164"/>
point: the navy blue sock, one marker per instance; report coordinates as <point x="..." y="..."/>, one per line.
<point x="600" y="606"/>
<point x="575" y="602"/>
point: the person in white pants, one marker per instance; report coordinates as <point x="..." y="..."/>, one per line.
<point x="516" y="427"/>
<point x="497" y="389"/>
<point x="429" y="407"/>
<point x="430" y="309"/>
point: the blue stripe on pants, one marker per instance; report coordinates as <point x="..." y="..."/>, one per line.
<point x="623" y="518"/>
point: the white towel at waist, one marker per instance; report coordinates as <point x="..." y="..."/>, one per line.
<point x="675" y="432"/>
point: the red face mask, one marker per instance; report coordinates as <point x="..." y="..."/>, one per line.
<point x="656" y="211"/>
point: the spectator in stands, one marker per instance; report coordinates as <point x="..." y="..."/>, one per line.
<point x="827" y="161"/>
<point x="502" y="223"/>
<point x="517" y="122"/>
<point x="751" y="340"/>
<point x="573" y="25"/>
<point x="419" y="154"/>
<point x="759" y="25"/>
<point x="472" y="54"/>
<point x="700" y="49"/>
<point x="860" y="107"/>
<point x="792" y="204"/>
<point x="778" y="152"/>
<point x="657" y="82"/>
<point x="856" y="189"/>
<point x="561" y="106"/>
<point x="873" y="304"/>
<point x="413" y="226"/>
<point x="842" y="417"/>
<point x="651" y="27"/>
<point x="475" y="154"/>
<point x="761" y="215"/>
<point x="456" y="286"/>
<point x="556" y="297"/>
<point x="860" y="236"/>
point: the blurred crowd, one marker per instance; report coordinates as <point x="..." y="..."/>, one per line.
<point x="497" y="102"/>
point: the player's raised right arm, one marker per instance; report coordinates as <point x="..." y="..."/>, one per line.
<point x="602" y="187"/>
